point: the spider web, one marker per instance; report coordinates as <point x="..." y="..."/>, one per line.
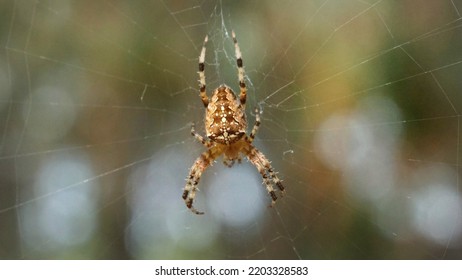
<point x="361" y="118"/>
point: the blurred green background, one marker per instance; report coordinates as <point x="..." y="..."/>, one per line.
<point x="361" y="106"/>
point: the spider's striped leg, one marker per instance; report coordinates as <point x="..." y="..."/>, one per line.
<point x="199" y="137"/>
<point x="201" y="163"/>
<point x="275" y="178"/>
<point x="267" y="166"/>
<point x="266" y="163"/>
<point x="255" y="126"/>
<point x="241" y="73"/>
<point x="259" y="160"/>
<point x="203" y="94"/>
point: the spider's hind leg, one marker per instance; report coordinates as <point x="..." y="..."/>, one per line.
<point x="203" y="94"/>
<point x="255" y="126"/>
<point x="241" y="72"/>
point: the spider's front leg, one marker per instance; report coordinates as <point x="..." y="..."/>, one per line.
<point x="199" y="166"/>
<point x="264" y="167"/>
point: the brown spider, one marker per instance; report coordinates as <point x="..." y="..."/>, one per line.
<point x="225" y="126"/>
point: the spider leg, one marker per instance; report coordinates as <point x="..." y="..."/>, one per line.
<point x="275" y="179"/>
<point x="203" y="94"/>
<point x="199" y="166"/>
<point x="255" y="126"/>
<point x="263" y="166"/>
<point x="241" y="73"/>
<point x="199" y="137"/>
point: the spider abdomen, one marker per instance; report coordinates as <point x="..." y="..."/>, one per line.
<point x="225" y="121"/>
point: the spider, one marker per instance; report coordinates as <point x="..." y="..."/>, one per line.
<point x="225" y="126"/>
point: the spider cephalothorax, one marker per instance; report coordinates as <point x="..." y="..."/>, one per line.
<point x="225" y="126"/>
